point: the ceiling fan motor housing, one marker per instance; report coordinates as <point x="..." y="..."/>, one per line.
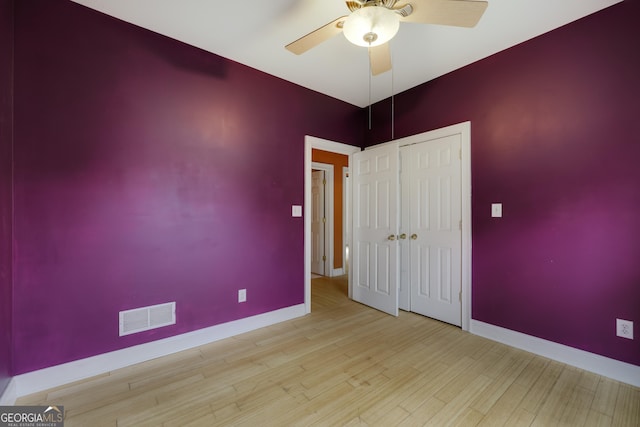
<point x="355" y="5"/>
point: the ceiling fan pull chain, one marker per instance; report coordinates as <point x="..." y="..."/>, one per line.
<point x="393" y="109"/>
<point x="369" y="51"/>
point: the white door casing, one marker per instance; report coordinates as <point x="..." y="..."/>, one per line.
<point x="311" y="142"/>
<point x="318" y="220"/>
<point x="433" y="226"/>
<point x="346" y="219"/>
<point x="374" y="258"/>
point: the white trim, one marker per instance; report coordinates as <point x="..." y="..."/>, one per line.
<point x="464" y="130"/>
<point x="611" y="368"/>
<point x="328" y="212"/>
<point x="311" y="142"/>
<point x="55" y="376"/>
<point x="345" y="218"/>
<point x="9" y="395"/>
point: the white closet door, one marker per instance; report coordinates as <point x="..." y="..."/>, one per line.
<point x="375" y="223"/>
<point x="432" y="175"/>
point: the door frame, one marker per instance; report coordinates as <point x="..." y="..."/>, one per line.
<point x="464" y="130"/>
<point x="311" y="142"/>
<point x="328" y="214"/>
<point x="346" y="215"/>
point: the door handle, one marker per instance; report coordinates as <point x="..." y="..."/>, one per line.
<point x="414" y="236"/>
<point x="402" y="236"/>
<point x="391" y="237"/>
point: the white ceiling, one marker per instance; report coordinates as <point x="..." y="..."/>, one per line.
<point x="254" y="33"/>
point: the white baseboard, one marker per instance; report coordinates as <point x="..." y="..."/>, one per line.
<point x="9" y="395"/>
<point x="54" y="376"/>
<point x="337" y="272"/>
<point x="611" y="368"/>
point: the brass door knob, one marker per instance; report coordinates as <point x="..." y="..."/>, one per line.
<point x="414" y="236"/>
<point x="402" y="236"/>
<point x="391" y="237"/>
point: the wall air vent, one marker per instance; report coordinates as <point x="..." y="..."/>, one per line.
<point x="145" y="318"/>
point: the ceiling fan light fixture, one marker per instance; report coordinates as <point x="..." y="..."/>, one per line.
<point x="371" y="26"/>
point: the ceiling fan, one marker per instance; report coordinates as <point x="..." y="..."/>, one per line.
<point x="372" y="23"/>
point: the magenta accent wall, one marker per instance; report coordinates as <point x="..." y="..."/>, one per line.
<point x="6" y="144"/>
<point x="148" y="171"/>
<point x="556" y="139"/>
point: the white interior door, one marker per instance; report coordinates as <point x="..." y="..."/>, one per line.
<point x="431" y="182"/>
<point x="375" y="218"/>
<point x="318" y="256"/>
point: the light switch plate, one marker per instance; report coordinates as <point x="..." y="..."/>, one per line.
<point x="296" y="210"/>
<point x="496" y="210"/>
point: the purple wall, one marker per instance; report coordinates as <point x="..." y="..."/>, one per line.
<point x="148" y="171"/>
<point x="555" y="138"/>
<point x="6" y="208"/>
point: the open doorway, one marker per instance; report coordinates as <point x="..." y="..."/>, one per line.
<point x="329" y="147"/>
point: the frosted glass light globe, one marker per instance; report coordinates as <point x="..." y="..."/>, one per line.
<point x="371" y="26"/>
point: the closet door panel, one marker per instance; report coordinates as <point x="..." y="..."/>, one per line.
<point x="375" y="227"/>
<point x="435" y="238"/>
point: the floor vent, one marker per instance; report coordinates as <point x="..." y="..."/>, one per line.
<point x="145" y="318"/>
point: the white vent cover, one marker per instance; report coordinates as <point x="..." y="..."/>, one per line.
<point x="145" y="318"/>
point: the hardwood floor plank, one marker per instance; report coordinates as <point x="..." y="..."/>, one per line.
<point x="558" y="399"/>
<point x="511" y="367"/>
<point x="469" y="417"/>
<point x="440" y="380"/>
<point x="542" y="387"/>
<point x="606" y="396"/>
<point x="424" y="412"/>
<point x="455" y="409"/>
<point x="597" y="419"/>
<point x="520" y="418"/>
<point x="504" y="408"/>
<point x="627" y="411"/>
<point x="577" y="410"/>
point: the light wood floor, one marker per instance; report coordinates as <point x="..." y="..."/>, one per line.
<point x="346" y="364"/>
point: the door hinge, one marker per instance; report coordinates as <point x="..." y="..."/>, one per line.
<point x="324" y="182"/>
<point x="324" y="220"/>
<point x="460" y="296"/>
<point x="324" y="257"/>
<point x="460" y="225"/>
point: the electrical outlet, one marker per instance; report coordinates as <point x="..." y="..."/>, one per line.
<point x="496" y="210"/>
<point x="242" y="295"/>
<point x="624" y="328"/>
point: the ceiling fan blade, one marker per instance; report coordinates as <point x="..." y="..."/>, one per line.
<point x="457" y="13"/>
<point x="380" y="59"/>
<point x="316" y="37"/>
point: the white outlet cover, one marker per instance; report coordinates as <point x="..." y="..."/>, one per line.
<point x="242" y="295"/>
<point x="296" y="211"/>
<point x="624" y="328"/>
<point x="496" y="210"/>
